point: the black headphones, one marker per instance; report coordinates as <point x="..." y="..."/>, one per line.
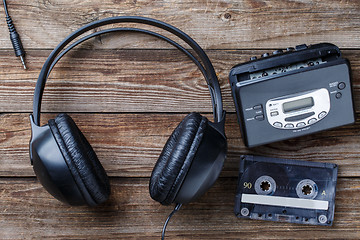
<point x="188" y="166"/>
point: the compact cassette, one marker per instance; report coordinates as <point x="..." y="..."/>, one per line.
<point x="291" y="93"/>
<point x="286" y="190"/>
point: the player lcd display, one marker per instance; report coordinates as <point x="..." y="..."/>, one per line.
<point x="298" y="104"/>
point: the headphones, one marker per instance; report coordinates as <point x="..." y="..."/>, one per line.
<point x="189" y="164"/>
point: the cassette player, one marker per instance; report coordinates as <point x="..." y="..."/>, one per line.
<point x="286" y="190"/>
<point x="291" y="93"/>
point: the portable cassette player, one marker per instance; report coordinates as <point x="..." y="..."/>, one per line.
<point x="291" y="93"/>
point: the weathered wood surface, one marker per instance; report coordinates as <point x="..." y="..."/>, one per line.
<point x="27" y="211"/>
<point x="131" y="150"/>
<point x="141" y="80"/>
<point x="227" y="24"/>
<point x="126" y="81"/>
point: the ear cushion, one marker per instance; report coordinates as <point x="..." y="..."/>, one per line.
<point x="176" y="157"/>
<point x="81" y="159"/>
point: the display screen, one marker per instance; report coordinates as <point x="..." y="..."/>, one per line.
<point x="298" y="104"/>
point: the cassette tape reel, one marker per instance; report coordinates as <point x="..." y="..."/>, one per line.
<point x="286" y="190"/>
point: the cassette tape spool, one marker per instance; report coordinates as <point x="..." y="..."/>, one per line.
<point x="286" y="190"/>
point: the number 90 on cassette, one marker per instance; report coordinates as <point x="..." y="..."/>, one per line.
<point x="286" y="190"/>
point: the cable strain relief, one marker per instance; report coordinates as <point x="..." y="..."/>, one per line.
<point x="10" y="24"/>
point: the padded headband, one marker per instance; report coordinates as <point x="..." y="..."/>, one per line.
<point x="211" y="77"/>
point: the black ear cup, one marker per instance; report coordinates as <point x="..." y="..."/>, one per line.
<point x="86" y="170"/>
<point x="176" y="158"/>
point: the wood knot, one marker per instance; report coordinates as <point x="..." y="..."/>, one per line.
<point x="226" y="17"/>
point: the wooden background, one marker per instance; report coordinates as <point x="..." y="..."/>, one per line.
<point x="142" y="81"/>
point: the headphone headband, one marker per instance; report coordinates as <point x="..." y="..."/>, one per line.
<point x="211" y="75"/>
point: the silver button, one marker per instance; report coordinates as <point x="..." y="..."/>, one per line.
<point x="311" y="121"/>
<point x="274" y="113"/>
<point x="338" y="95"/>
<point x="277" y="51"/>
<point x="301" y="124"/>
<point x="289" y="125"/>
<point x="322" y="114"/>
<point x="277" y="124"/>
<point x="259" y="117"/>
<point x="341" y="85"/>
<point x="257" y="107"/>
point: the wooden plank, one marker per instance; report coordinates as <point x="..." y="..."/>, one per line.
<point x="126" y="81"/>
<point x="152" y="86"/>
<point x="131" y="150"/>
<point x="28" y="211"/>
<point x="228" y="24"/>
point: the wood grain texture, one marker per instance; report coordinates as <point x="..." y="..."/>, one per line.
<point x="126" y="81"/>
<point x="27" y="211"/>
<point x="131" y="150"/>
<point x="128" y="101"/>
<point x="228" y="24"/>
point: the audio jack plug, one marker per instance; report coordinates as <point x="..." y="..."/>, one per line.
<point x="14" y="37"/>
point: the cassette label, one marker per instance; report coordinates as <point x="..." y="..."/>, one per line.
<point x="286" y="190"/>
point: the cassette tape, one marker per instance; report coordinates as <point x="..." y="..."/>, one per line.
<point x="286" y="190"/>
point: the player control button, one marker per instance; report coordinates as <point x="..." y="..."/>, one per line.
<point x="299" y="117"/>
<point x="312" y="120"/>
<point x="301" y="124"/>
<point x="322" y="114"/>
<point x="289" y="125"/>
<point x="338" y="95"/>
<point x="341" y="85"/>
<point x="275" y="113"/>
<point x="253" y="58"/>
<point x="259" y="117"/>
<point x="278" y="51"/>
<point x="277" y="124"/>
<point x="301" y="47"/>
<point x="257" y="107"/>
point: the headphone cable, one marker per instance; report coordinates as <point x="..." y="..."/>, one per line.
<point x="5" y="7"/>
<point x="14" y="37"/>
<point x="177" y="208"/>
